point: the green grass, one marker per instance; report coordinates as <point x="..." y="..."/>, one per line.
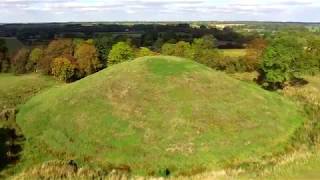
<point x="304" y="167"/>
<point x="233" y="53"/>
<point x="155" y="113"/>
<point x="15" y="90"/>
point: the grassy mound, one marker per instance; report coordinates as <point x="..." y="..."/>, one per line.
<point x="156" y="114"/>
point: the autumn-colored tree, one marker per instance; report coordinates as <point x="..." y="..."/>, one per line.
<point x="19" y="61"/>
<point x="63" y="69"/>
<point x="254" y="53"/>
<point x="120" y="52"/>
<point x="56" y="48"/>
<point x="143" y="51"/>
<point x="87" y="58"/>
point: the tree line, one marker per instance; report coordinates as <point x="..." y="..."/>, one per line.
<point x="279" y="58"/>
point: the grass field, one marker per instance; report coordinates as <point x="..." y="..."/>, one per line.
<point x="154" y="114"/>
<point x="234" y="53"/>
<point x="15" y="90"/>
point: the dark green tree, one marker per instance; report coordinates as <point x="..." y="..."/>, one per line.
<point x="281" y="62"/>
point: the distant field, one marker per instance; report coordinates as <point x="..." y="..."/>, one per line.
<point x="233" y="52"/>
<point x="13" y="44"/>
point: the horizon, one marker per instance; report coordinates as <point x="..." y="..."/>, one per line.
<point x="163" y="21"/>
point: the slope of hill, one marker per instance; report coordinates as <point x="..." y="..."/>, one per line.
<point x="156" y="114"/>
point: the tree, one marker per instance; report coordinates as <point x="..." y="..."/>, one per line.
<point x="87" y="58"/>
<point x="4" y="60"/>
<point x="19" y="61"/>
<point x="34" y="58"/>
<point x="63" y="69"/>
<point x="120" y="52"/>
<point x="158" y="44"/>
<point x="311" y="63"/>
<point x="180" y="49"/>
<point x="280" y="62"/>
<point x="254" y="53"/>
<point x="103" y="46"/>
<point x="203" y="51"/>
<point x="168" y="49"/>
<point x="143" y="51"/>
<point x="56" y="48"/>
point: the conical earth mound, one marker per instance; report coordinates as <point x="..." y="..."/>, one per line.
<point x="154" y="114"/>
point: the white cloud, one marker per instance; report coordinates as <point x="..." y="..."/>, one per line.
<point x="109" y="10"/>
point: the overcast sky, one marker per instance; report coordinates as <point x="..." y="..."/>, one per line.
<point x="158" y="10"/>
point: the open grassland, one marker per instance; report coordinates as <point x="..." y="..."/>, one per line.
<point x="233" y="53"/>
<point x="15" y="90"/>
<point x="156" y="114"/>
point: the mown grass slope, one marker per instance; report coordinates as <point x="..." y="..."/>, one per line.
<point x="15" y="90"/>
<point x="157" y="113"/>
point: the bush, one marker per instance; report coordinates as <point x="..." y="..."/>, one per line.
<point x="180" y="49"/>
<point x="143" y="51"/>
<point x="63" y="69"/>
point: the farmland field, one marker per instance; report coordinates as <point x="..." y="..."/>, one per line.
<point x="234" y="53"/>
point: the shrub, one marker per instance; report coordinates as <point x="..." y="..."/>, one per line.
<point x="143" y="51"/>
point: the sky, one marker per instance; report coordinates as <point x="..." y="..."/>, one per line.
<point x="26" y="11"/>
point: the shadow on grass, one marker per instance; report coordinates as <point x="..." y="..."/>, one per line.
<point x="10" y="147"/>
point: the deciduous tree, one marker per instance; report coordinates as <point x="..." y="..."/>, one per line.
<point x="19" y="61"/>
<point x="120" y="52"/>
<point x="63" y="69"/>
<point x="281" y="61"/>
<point x="87" y="58"/>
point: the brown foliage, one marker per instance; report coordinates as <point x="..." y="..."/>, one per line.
<point x="87" y="58"/>
<point x="56" y="48"/>
<point x="19" y="61"/>
<point x="254" y="53"/>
